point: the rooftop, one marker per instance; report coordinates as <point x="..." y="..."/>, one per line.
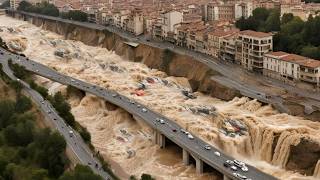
<point x="277" y="53"/>
<point x="255" y="34"/>
<point x="294" y="58"/>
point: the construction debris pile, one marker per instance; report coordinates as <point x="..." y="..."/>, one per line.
<point x="233" y="128"/>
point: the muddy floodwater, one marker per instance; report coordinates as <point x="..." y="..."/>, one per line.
<point x="243" y="128"/>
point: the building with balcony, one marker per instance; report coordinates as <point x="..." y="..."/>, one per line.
<point x="215" y="39"/>
<point x="291" y="68"/>
<point x="134" y="22"/>
<point x="250" y="48"/>
<point x="164" y="28"/>
<point x="243" y="9"/>
<point x="14" y="4"/>
<point x="228" y="46"/>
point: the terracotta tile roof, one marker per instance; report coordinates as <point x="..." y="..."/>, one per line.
<point x="222" y="33"/>
<point x="277" y="53"/>
<point x="301" y="60"/>
<point x="255" y="34"/>
<point x="293" y="58"/>
<point x="310" y="63"/>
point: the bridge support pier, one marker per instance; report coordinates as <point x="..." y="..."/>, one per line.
<point x="185" y="157"/>
<point x="226" y="177"/>
<point x="199" y="165"/>
<point x="159" y="139"/>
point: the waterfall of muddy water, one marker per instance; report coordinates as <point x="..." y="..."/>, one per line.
<point x="266" y="142"/>
<point x="316" y="173"/>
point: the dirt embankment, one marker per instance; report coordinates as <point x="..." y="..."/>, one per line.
<point x="173" y="64"/>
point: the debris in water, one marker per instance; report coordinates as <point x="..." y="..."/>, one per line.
<point x="233" y="127"/>
<point x="188" y="94"/>
<point x="115" y="69"/>
<point x="131" y="153"/>
<point x="203" y="110"/>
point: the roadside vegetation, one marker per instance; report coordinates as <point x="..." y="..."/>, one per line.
<point x="292" y="35"/>
<point x="63" y="108"/>
<point x="44" y="8"/>
<point x="48" y="9"/>
<point x="27" y="151"/>
<point x="75" y="15"/>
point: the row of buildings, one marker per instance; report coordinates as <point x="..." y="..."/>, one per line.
<point x="206" y="27"/>
<point x="250" y="49"/>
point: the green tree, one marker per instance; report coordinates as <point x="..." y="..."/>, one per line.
<point x="85" y="135"/>
<point x="20" y="134"/>
<point x="7" y="109"/>
<point x="311" y="52"/>
<point x="17" y="86"/>
<point x="75" y="15"/>
<point x="146" y="177"/>
<point x="273" y="21"/>
<point x="24" y="6"/>
<point x="261" y="14"/>
<point x="48" y="151"/>
<point x="80" y="173"/>
<point x="23" y="104"/>
<point x="286" y="17"/>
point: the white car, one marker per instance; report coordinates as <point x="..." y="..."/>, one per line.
<point x="161" y="121"/>
<point x="234" y="168"/>
<point x="144" y="110"/>
<point x="207" y="147"/>
<point x="239" y="176"/>
<point x="190" y="136"/>
<point x="217" y="153"/>
<point x="244" y="168"/>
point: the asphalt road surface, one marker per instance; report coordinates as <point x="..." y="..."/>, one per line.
<point x="170" y="129"/>
<point x="74" y="140"/>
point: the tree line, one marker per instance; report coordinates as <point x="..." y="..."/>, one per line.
<point x="28" y="152"/>
<point x="291" y="34"/>
<point x="48" y="9"/>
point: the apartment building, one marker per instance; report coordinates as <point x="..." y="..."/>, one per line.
<point x="201" y="38"/>
<point x="291" y="68"/>
<point x="216" y="38"/>
<point x="250" y="48"/>
<point x="134" y="22"/>
<point x="165" y="26"/>
<point x="218" y="11"/>
<point x="301" y="10"/>
<point x="243" y="9"/>
<point x="195" y="36"/>
<point x="14" y="4"/>
<point x="226" y="12"/>
<point x="228" y="46"/>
